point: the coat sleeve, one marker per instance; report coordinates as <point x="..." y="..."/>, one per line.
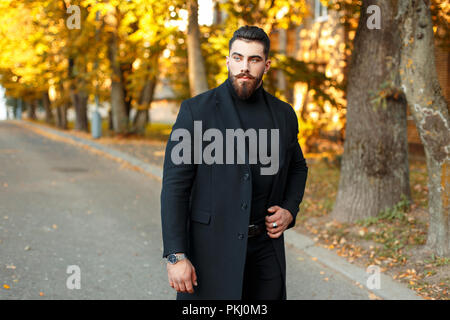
<point x="296" y="178"/>
<point x="176" y="188"/>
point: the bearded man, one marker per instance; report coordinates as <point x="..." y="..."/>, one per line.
<point x="223" y="223"/>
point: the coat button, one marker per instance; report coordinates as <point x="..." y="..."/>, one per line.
<point x="246" y="176"/>
<point x="244" y="206"/>
<point x="240" y="236"/>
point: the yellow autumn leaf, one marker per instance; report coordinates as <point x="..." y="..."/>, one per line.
<point x="372" y="296"/>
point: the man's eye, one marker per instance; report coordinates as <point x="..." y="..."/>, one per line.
<point x="237" y="58"/>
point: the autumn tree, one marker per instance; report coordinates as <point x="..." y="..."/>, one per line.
<point x="420" y="86"/>
<point x="197" y="73"/>
<point x="374" y="171"/>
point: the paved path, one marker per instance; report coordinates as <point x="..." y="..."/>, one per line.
<point x="63" y="205"/>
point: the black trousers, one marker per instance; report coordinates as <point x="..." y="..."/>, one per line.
<point x="262" y="276"/>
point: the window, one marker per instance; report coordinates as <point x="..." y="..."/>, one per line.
<point x="320" y="11"/>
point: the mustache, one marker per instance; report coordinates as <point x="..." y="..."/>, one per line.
<point x="241" y="75"/>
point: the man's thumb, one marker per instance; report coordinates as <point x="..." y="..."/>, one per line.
<point x="194" y="277"/>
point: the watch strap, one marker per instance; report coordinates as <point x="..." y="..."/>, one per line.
<point x="180" y="256"/>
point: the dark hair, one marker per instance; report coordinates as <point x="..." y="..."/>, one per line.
<point x="251" y="33"/>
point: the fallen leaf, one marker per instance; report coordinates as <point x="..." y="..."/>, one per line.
<point x="314" y="259"/>
<point x="372" y="296"/>
<point x="6" y="286"/>
<point x="41" y="294"/>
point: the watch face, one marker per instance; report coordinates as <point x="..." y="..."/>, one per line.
<point x="172" y="258"/>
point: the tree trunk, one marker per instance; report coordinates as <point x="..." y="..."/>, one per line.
<point x="140" y="121"/>
<point x="430" y="112"/>
<point x="198" y="82"/>
<point x="31" y="106"/>
<point x="79" y="99"/>
<point x="61" y="116"/>
<point x="47" y="107"/>
<point x="141" y="118"/>
<point x="118" y="107"/>
<point x="282" y="44"/>
<point x="374" y="171"/>
<point x="79" y="102"/>
<point x="126" y="68"/>
<point x="110" y="120"/>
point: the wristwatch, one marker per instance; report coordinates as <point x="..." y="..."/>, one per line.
<point x="174" y="258"/>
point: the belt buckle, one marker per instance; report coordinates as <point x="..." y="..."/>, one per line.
<point x="251" y="227"/>
<point x="253" y="230"/>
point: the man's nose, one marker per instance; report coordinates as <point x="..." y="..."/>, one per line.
<point x="245" y="66"/>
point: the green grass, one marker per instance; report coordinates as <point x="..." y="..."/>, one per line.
<point x="438" y="261"/>
<point x="397" y="213"/>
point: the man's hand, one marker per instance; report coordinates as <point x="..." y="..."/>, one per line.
<point x="182" y="276"/>
<point x="281" y="217"/>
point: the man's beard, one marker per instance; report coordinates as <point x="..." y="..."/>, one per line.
<point x="245" y="89"/>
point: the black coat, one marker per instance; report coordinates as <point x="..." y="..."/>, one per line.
<point x="205" y="209"/>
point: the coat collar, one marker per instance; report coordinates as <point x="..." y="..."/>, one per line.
<point x="229" y="119"/>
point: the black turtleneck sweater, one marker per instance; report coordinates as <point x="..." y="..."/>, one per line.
<point x="254" y="113"/>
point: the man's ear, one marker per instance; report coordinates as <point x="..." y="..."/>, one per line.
<point x="268" y="62"/>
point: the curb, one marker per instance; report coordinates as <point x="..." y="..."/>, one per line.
<point x="389" y="289"/>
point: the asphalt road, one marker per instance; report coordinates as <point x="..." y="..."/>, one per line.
<point x="62" y="205"/>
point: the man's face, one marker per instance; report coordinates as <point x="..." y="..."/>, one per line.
<point x="246" y="66"/>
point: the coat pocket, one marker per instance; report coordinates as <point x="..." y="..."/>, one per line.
<point x="201" y="216"/>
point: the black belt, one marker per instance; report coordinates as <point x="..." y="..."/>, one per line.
<point x="256" y="229"/>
